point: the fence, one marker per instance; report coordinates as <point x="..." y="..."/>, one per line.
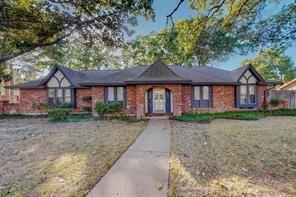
<point x="284" y="95"/>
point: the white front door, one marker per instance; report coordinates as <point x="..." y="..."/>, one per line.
<point x="159" y="100"/>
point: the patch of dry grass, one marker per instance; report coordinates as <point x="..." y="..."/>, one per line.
<point x="59" y="159"/>
<point x="234" y="158"/>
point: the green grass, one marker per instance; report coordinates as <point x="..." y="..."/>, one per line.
<point x="243" y="115"/>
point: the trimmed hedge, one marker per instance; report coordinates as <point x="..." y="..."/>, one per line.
<point x="58" y="113"/>
<point x="243" y="115"/>
<point x="106" y="108"/>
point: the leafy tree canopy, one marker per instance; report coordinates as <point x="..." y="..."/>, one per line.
<point x="272" y="63"/>
<point x="5" y="72"/>
<point x="73" y="52"/>
<point x="28" y="24"/>
<point x="219" y="28"/>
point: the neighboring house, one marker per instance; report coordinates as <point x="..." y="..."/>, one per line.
<point x="9" y="95"/>
<point x="288" y="86"/>
<point x="149" y="90"/>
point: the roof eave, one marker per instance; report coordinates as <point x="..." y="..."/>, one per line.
<point x="159" y="82"/>
<point x="273" y="83"/>
<point x="26" y="87"/>
<point x="215" y="83"/>
<point x="101" y="84"/>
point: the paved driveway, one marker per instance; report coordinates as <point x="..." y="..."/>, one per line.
<point x="143" y="169"/>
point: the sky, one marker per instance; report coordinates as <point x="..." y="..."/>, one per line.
<point x="164" y="7"/>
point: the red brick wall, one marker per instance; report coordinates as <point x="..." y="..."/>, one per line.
<point x="27" y="98"/>
<point x="186" y="98"/>
<point x="97" y="94"/>
<point x="223" y="98"/>
<point x="80" y="93"/>
<point x="131" y="105"/>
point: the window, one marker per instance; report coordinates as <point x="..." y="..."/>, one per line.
<point x="60" y="99"/>
<point x="119" y="93"/>
<point x="247" y="91"/>
<point x="67" y="96"/>
<point x="252" y="96"/>
<point x="51" y="96"/>
<point x="115" y="95"/>
<point x="111" y="94"/>
<point x="205" y="97"/>
<point x="243" y="94"/>
<point x="202" y="97"/>
<point x="57" y="96"/>
<point x="196" y="93"/>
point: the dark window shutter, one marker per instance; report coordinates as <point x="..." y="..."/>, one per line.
<point x="167" y="101"/>
<point x="73" y="98"/>
<point x="124" y="97"/>
<point x="150" y="101"/>
<point x="105" y="94"/>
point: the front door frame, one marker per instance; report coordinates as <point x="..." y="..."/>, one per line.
<point x="149" y="102"/>
<point x="161" y="93"/>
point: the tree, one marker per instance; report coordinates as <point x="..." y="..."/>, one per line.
<point x="219" y="29"/>
<point x="273" y="64"/>
<point x="72" y="52"/>
<point x="5" y="72"/>
<point x="29" y="24"/>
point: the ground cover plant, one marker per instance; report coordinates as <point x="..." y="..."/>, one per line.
<point x="242" y="115"/>
<point x="234" y="158"/>
<point x="41" y="158"/>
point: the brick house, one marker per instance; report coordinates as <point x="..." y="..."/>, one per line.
<point x="156" y="89"/>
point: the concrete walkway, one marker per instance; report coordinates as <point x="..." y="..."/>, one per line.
<point x="143" y="169"/>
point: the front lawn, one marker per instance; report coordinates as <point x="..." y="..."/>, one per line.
<point x="241" y="115"/>
<point x="41" y="158"/>
<point x="234" y="158"/>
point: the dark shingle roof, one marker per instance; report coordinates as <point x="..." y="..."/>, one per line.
<point x="118" y="77"/>
<point x="155" y="73"/>
<point x="158" y="73"/>
<point x="204" y="75"/>
<point x="29" y="84"/>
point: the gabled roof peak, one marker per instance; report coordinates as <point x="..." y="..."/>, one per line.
<point x="156" y="73"/>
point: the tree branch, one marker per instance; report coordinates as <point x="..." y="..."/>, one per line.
<point x="32" y="47"/>
<point x="176" y="8"/>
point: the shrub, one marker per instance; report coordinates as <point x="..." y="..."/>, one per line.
<point x="104" y="108"/>
<point x="86" y="98"/>
<point x="86" y="108"/>
<point x="65" y="105"/>
<point x="58" y="113"/>
<point x="274" y="102"/>
<point x="39" y="106"/>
